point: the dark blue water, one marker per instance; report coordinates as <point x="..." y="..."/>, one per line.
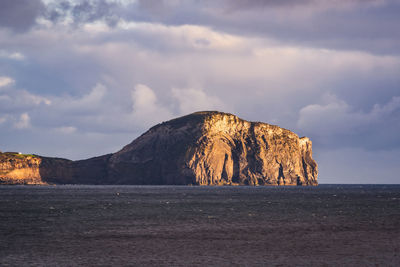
<point x="182" y="225"/>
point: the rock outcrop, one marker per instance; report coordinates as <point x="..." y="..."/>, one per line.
<point x="19" y="169"/>
<point x="203" y="148"/>
<point x="33" y="169"/>
<point x="213" y="148"/>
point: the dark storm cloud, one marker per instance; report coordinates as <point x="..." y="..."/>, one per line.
<point x="20" y="15"/>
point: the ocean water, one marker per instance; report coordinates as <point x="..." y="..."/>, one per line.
<point x="328" y="225"/>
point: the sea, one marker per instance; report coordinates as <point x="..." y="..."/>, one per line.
<point x="84" y="225"/>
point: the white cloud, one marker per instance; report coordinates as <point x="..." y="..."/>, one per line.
<point x="191" y="100"/>
<point x="91" y="101"/>
<point x="146" y="109"/>
<point x="96" y="27"/>
<point x="312" y="67"/>
<point x="17" y="56"/>
<point x="253" y="74"/>
<point x="11" y="55"/>
<point x="66" y="129"/>
<point x="30" y="99"/>
<point x="96" y="95"/>
<point x="329" y="118"/>
<point x="22" y="100"/>
<point x="185" y="36"/>
<point x="143" y="98"/>
<point x="23" y="122"/>
<point x="5" y="81"/>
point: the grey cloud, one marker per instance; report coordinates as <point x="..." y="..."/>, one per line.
<point x="15" y="101"/>
<point x="129" y="60"/>
<point x="250" y="4"/>
<point x="363" y="27"/>
<point x="88" y="11"/>
<point x="57" y="11"/>
<point x="349" y="25"/>
<point x="336" y="124"/>
<point x="84" y="11"/>
<point x="20" y="15"/>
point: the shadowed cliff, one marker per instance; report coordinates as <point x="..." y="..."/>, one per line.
<point x="203" y="148"/>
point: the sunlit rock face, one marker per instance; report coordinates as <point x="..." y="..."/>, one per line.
<point x="19" y="169"/>
<point x="32" y="169"/>
<point x="214" y="148"/>
<point x="203" y="148"/>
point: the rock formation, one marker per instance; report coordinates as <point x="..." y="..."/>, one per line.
<point x="203" y="148"/>
<point x="19" y="169"/>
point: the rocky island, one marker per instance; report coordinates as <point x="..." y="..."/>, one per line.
<point x="203" y="148"/>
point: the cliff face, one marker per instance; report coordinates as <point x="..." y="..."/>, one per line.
<point x="203" y="148"/>
<point x="19" y="169"/>
<point x="213" y="148"/>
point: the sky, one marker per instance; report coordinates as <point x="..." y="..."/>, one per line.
<point x="83" y="78"/>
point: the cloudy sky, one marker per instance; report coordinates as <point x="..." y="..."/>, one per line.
<point x="82" y="78"/>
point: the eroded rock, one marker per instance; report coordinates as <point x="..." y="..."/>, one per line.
<point x="214" y="148"/>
